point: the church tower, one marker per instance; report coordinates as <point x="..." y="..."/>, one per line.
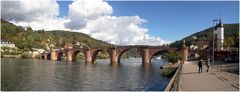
<point x="219" y="32"/>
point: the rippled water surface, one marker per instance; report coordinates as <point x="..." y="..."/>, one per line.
<point x="23" y="74"/>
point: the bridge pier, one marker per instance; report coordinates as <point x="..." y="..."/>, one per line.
<point x="45" y="56"/>
<point x="145" y="56"/>
<point x="88" y="56"/>
<point x="53" y="55"/>
<point x="114" y="57"/>
<point x="69" y="56"/>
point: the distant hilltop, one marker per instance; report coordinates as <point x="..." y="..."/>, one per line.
<point x="231" y="37"/>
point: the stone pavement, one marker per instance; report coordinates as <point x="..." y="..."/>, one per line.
<point x="191" y="80"/>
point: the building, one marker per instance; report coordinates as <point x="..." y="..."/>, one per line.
<point x="8" y="47"/>
<point x="203" y="44"/>
<point x="219" y="35"/>
<point x="68" y="46"/>
<point x="7" y="44"/>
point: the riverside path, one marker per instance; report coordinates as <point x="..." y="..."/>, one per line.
<point x="191" y="80"/>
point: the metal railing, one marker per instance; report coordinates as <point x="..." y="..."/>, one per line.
<point x="173" y="85"/>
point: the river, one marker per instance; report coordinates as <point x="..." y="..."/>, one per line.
<point x="46" y="75"/>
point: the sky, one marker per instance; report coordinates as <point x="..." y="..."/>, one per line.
<point x="122" y="22"/>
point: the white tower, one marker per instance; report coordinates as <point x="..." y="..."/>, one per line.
<point x="220" y="36"/>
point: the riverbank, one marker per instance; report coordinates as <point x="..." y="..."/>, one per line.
<point x="169" y="69"/>
<point x="10" y="56"/>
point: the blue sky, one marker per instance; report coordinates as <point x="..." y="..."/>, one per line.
<point x="172" y="20"/>
<point x="63" y="8"/>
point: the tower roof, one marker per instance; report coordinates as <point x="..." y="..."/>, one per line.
<point x="220" y="24"/>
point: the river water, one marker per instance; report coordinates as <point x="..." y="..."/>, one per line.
<point x="45" y="75"/>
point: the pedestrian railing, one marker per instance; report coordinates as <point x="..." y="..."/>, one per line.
<point x="173" y="85"/>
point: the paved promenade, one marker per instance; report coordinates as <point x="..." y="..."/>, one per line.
<point x="191" y="80"/>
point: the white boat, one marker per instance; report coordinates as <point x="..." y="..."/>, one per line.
<point x="158" y="57"/>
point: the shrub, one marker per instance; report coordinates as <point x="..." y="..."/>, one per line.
<point x="169" y="71"/>
<point x="38" y="56"/>
<point x="25" y="56"/>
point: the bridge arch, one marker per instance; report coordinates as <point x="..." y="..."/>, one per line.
<point x="125" y="50"/>
<point x="160" y="51"/>
<point x="59" y="55"/>
<point x="95" y="53"/>
<point x="46" y="56"/>
<point x="77" y="52"/>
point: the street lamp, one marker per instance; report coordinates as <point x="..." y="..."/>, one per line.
<point x="213" y="38"/>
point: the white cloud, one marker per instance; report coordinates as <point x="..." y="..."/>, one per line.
<point x="45" y="23"/>
<point x="38" y="14"/>
<point x="124" y="30"/>
<point x="82" y="11"/>
<point x="28" y="10"/>
<point x="93" y="17"/>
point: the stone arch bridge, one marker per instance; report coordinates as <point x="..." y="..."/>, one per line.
<point x="114" y="53"/>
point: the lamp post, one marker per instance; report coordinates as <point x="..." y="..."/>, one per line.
<point x="213" y="38"/>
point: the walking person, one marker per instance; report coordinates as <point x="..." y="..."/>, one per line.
<point x="207" y="64"/>
<point x="199" y="65"/>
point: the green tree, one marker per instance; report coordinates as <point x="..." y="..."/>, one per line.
<point x="173" y="57"/>
<point x="228" y="42"/>
<point x="29" y="29"/>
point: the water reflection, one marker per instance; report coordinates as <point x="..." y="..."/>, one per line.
<point x="131" y="74"/>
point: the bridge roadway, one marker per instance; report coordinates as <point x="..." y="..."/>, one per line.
<point x="115" y="53"/>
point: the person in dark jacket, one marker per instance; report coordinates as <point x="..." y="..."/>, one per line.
<point x="200" y="65"/>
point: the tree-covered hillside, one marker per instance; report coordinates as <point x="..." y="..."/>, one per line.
<point x="231" y="36"/>
<point x="26" y="38"/>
